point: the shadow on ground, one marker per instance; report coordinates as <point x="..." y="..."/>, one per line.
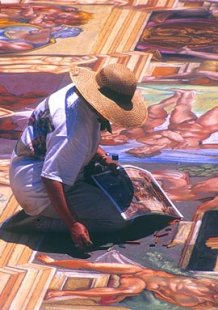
<point x="60" y="242"/>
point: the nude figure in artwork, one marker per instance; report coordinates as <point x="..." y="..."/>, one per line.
<point x="179" y="187"/>
<point x="185" y="129"/>
<point x="196" y="293"/>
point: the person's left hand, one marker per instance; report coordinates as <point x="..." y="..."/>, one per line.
<point x="113" y="165"/>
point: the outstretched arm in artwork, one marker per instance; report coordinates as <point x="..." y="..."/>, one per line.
<point x="112" y="268"/>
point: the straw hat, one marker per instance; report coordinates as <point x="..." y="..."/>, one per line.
<point x="112" y="93"/>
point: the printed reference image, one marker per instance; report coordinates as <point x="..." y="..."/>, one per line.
<point x="139" y="193"/>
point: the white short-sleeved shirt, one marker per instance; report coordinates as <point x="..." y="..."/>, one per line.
<point x="61" y="138"/>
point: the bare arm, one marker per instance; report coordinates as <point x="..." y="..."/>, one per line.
<point x="101" y="152"/>
<point x="79" y="232"/>
<point x="112" y="268"/>
<point x="204" y="55"/>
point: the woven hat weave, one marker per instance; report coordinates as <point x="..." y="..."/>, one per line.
<point x="112" y="93"/>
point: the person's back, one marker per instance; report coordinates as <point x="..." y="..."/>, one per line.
<point x="60" y="139"/>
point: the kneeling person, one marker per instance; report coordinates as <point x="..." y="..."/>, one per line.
<point x="60" y="140"/>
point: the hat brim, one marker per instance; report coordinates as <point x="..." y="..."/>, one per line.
<point x="134" y="116"/>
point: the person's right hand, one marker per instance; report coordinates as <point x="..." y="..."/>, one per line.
<point x="80" y="235"/>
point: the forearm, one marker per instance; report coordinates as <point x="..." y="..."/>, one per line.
<point x="56" y="194"/>
<point x="101" y="152"/>
<point x="101" y="155"/>
<point x="204" y="55"/>
<point x="106" y="159"/>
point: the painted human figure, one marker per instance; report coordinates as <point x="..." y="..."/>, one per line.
<point x="185" y="129"/>
<point x="185" y="291"/>
<point x="16" y="39"/>
<point x="178" y="186"/>
<point x="24" y="28"/>
<point x="43" y="15"/>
